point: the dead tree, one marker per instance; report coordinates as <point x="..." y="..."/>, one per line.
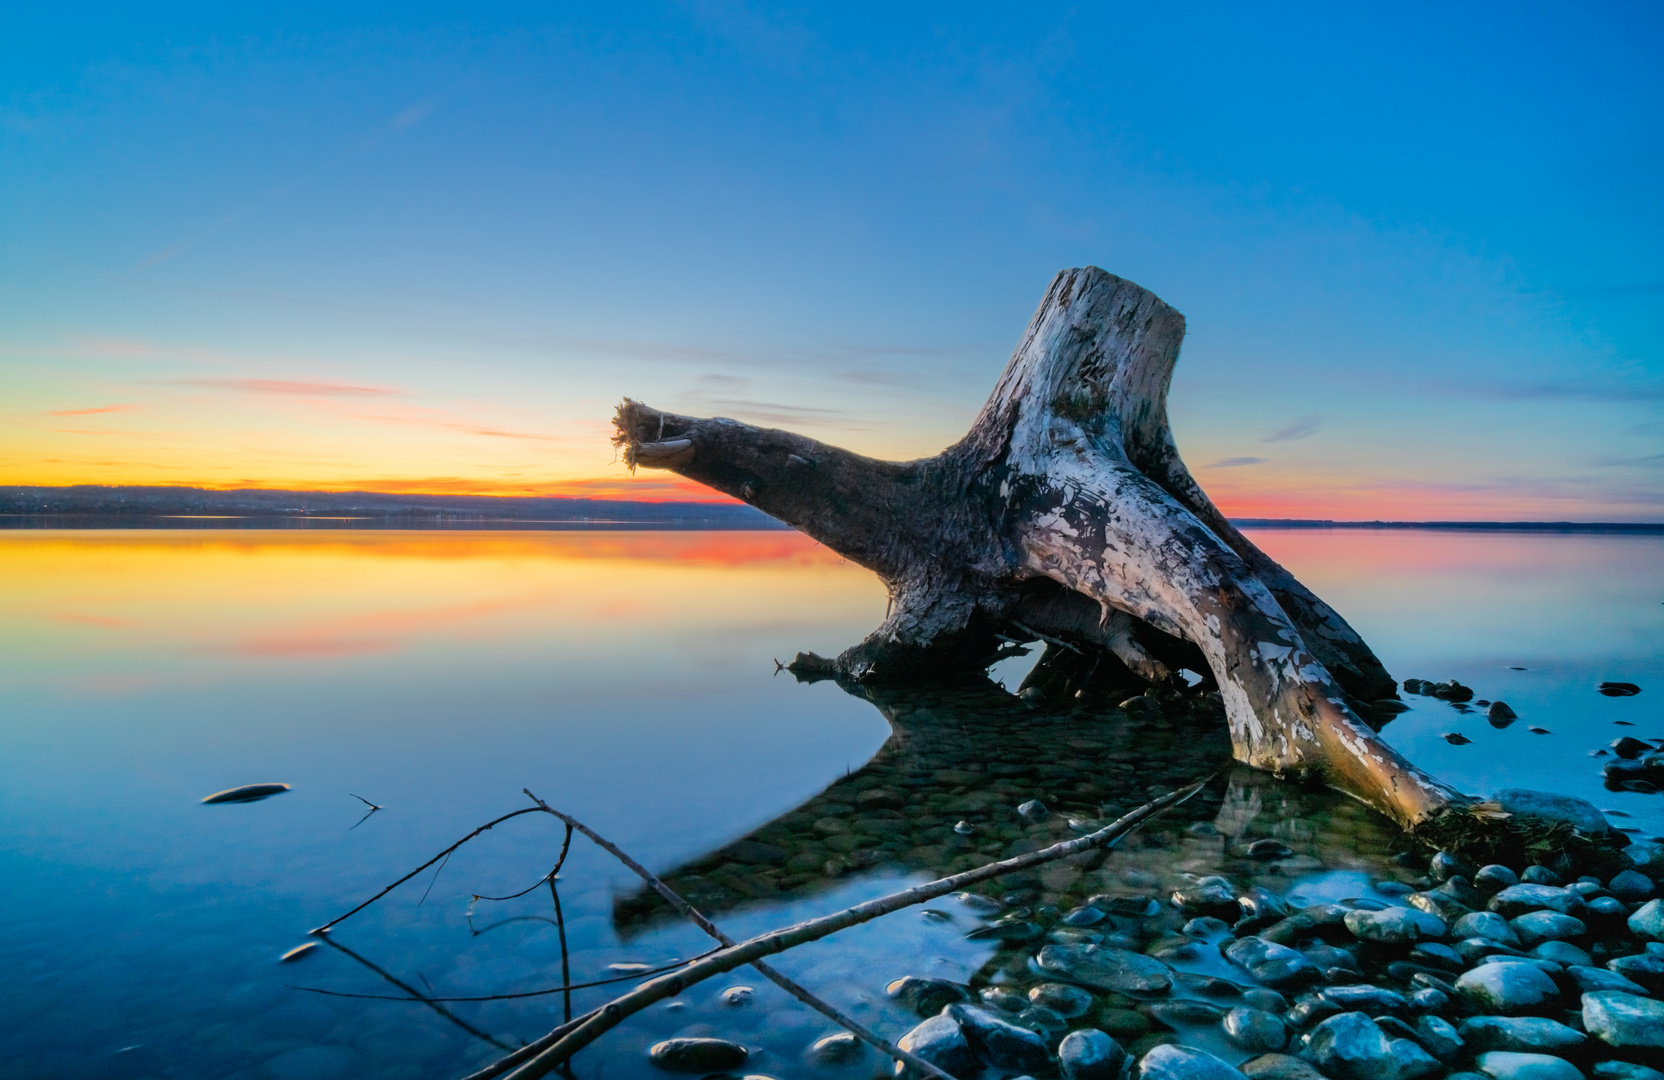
<point x="1065" y="514"/>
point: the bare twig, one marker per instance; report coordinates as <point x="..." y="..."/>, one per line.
<point x="635" y="976"/>
<point x="416" y="995"/>
<point x="560" y="861"/>
<point x="789" y="985"/>
<point x="582" y="1033"/>
<point x="1059" y="642"/>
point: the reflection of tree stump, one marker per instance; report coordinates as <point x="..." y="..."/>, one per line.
<point x="1065" y="514"/>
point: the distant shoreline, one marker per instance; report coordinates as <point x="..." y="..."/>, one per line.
<point x="100" y="507"/>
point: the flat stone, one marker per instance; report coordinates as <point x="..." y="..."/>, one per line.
<point x="1485" y="924"/>
<point x="1349" y="1046"/>
<point x="1174" y="1013"/>
<point x="1606" y="908"/>
<point x="1170" y="1062"/>
<point x="1547" y="967"/>
<point x="1645" y="968"/>
<point x="1089" y="1054"/>
<point x="999" y="1042"/>
<point x="1085" y="916"/>
<point x="1507" y="988"/>
<point x="1279" y="1067"/>
<point x="1437" y="955"/>
<point x="1441" y="1040"/>
<point x="1410" y="1061"/>
<point x="1516" y="900"/>
<point x="939" y="1041"/>
<point x="1580" y="814"/>
<point x="1270" y="963"/>
<point x="1507" y="1065"/>
<point x="1303" y="922"/>
<point x="1646" y="857"/>
<point x="1589" y="980"/>
<point x="1476" y="949"/>
<point x="1260" y="908"/>
<point x="1648" y="920"/>
<point x="1393" y="926"/>
<point x="1364" y="998"/>
<point x="1106" y="968"/>
<point x="1207" y="894"/>
<point x="697" y="1055"/>
<point x="1630" y="885"/>
<point x="1441" y="905"/>
<point x="839" y="1048"/>
<point x="1067" y="1001"/>
<point x="1526" y="1034"/>
<point x="1626" y="1021"/>
<point x="926" y="997"/>
<point x="1563" y="953"/>
<point x="1255" y="1030"/>
<point x="1494" y="878"/>
<point x="1623" y="1070"/>
<point x="1536" y="927"/>
<point x="1429" y="1000"/>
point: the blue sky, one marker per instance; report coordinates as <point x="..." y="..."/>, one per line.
<point x="415" y="247"/>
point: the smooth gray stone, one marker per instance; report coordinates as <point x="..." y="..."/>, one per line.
<point x="1437" y="955"/>
<point x="1626" y="1021"/>
<point x="1548" y="967"/>
<point x="1441" y="905"/>
<point x="1580" y="814"/>
<point x="1105" y="968"/>
<point x="1260" y="908"/>
<point x="1475" y="949"/>
<point x="1279" y="1067"/>
<point x="1494" y="878"/>
<point x="1041" y="1019"/>
<point x="1648" y="920"/>
<point x="1589" y="980"/>
<point x="1645" y="968"/>
<point x="1536" y="927"/>
<point x="1443" y="866"/>
<point x="1174" y="1013"/>
<point x="1255" y="1030"/>
<point x="1563" y="953"/>
<point x="1409" y="1060"/>
<point x="1002" y="998"/>
<point x="1089" y="1054"/>
<point x="939" y="1041"/>
<point x="926" y="997"/>
<point x="1507" y="988"/>
<point x="839" y="1048"/>
<point x="1526" y="1034"/>
<point x="1623" y="1070"/>
<point x="1441" y="1040"/>
<point x="1349" y="1047"/>
<point x="999" y="1042"/>
<point x="1429" y="1000"/>
<point x="1518" y="899"/>
<point x="1631" y="885"/>
<point x="1485" y="924"/>
<point x="1203" y="926"/>
<point x="1066" y="1001"/>
<point x="1364" y="998"/>
<point x="1206" y="894"/>
<point x="1393" y="926"/>
<point x="1646" y="857"/>
<point x="1168" y="1062"/>
<point x="1606" y="907"/>
<point x="697" y="1055"/>
<point x="1540" y="875"/>
<point x="1084" y="916"/>
<point x="1509" y="1065"/>
<point x="1270" y="963"/>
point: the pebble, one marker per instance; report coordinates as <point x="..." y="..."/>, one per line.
<point x="1499" y="710"/>
<point x="1364" y="998"/>
<point x="1089" y="1054"/>
<point x="1443" y="866"/>
<point x="1563" y="953"/>
<point x="1644" y="968"/>
<point x="1268" y="849"/>
<point x="1272" y="964"/>
<point x="1540" y="875"/>
<point x="1394" y="926"/>
<point x="1485" y="924"/>
<point x="1002" y="998"/>
<point x="839" y="1048"/>
<point x="1526" y="1034"/>
<point x="1437" y="955"/>
<point x="1034" y="812"/>
<point x="1506" y="1065"/>
<point x="1507" y="988"/>
<point x="1648" y="920"/>
<point x="1106" y="968"/>
<point x="1589" y="980"/>
<point x="1067" y="1001"/>
<point x="1630" y="886"/>
<point x="1255" y="1030"/>
<point x="926" y="997"/>
<point x="1349" y="1046"/>
<point x="697" y="1055"/>
<point x="1084" y="916"/>
<point x="1625" y="1021"/>
<point x="1428" y="1000"/>
<point x="1206" y="894"/>
<point x="738" y="995"/>
<point x="1260" y="908"/>
<point x="1439" y="1038"/>
<point x="1494" y="878"/>
<point x="1536" y="927"/>
<point x="1518" y="899"/>
<point x="939" y="1041"/>
<point x="1174" y="1013"/>
<point x="1170" y="1062"/>
<point x="999" y="1042"/>
<point x="1623" y="1070"/>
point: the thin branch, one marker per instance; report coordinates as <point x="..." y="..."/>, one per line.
<point x="435" y="880"/>
<point x="790" y="986"/>
<point x="581" y="1034"/>
<point x="1059" y="642"/>
<point x="560" y="861"/>
<point x="635" y="976"/>
<point x="417" y="995"/>
<point x="531" y="1049"/>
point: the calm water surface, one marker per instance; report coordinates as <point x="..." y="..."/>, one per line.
<point x="627" y="678"/>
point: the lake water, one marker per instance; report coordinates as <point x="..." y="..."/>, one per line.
<point x="628" y="679"/>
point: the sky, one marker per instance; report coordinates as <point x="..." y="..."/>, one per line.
<point x="425" y="248"/>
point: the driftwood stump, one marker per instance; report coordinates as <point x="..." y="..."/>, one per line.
<point x="1066" y="515"/>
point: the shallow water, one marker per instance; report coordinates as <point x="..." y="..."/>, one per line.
<point x="626" y="677"/>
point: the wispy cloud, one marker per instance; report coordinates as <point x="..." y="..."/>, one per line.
<point x="285" y="387"/>
<point x="91" y="412"/>
<point x="465" y="427"/>
<point x="1233" y="462"/>
<point x="1302" y="428"/>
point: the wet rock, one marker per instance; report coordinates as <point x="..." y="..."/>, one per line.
<point x="1450" y="690"/>
<point x="1309" y="1011"/>
<point x="1507" y="988"/>
<point x="1436" y="955"/>
<point x="1174" y="1013"/>
<point x="1547" y="967"/>
<point x="1580" y="814"/>
<point x="1535" y="927"/>
<point x="1350" y="1047"/>
<point x="1606" y="908"/>
<point x="1003" y="999"/>
<point x="1630" y="886"/>
<point x="926" y="997"/>
<point x="1648" y="920"/>
<point x="1326" y="957"/>
<point x="1540" y="875"/>
<point x="1362" y="997"/>
<point x="1106" y="968"/>
<point x="1563" y="953"/>
<point x="1623" y="1070"/>
<point x="246" y="793"/>
<point x="1494" y="878"/>
<point x="1124" y="1024"/>
<point x="1624" y="1021"/>
<point x="1085" y="916"/>
<point x="1034" y="812"/>
<point x="1444" y="866"/>
<point x="1473" y="950"/>
<point x="1067" y="1001"/>
<point x="840" y="1048"/>
<point x="1525" y="1034"/>
<point x="1460" y="890"/>
<point x="1394" y="926"/>
<point x="1619" y="689"/>
<point x="1204" y="926"/>
<point x="736" y="996"/>
<point x="1073" y="935"/>
<point x="1208" y="894"/>
<point x="1644" y="968"/>
<point x="1272" y="964"/>
<point x="977" y="904"/>
<point x="1589" y="980"/>
<point x="1516" y="900"/>
<point x="939" y="1041"/>
<point x="1279" y="1067"/>
<point x="697" y="1055"/>
<point x="1426" y="981"/>
<point x="1129" y="907"/>
<point x="1485" y="924"/>
<point x="1646" y="857"/>
<point x="1439" y="1038"/>
<point x="1499" y="710"/>
<point x="1009" y="929"/>
<point x="1441" y="905"/>
<point x="1508" y="1065"/>
<point x="1260" y="908"/>
<point x="1429" y="1000"/>
<point x="1089" y="1054"/>
<point x="999" y="1042"/>
<point x="1184" y="1063"/>
<point x="1269" y="849"/>
<point x="1255" y="1030"/>
<point x="1316" y="918"/>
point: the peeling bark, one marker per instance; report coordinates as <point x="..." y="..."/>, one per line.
<point x="1066" y="515"/>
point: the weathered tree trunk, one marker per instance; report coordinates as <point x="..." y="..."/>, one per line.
<point x="1066" y="514"/>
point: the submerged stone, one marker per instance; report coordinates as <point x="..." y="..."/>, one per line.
<point x="697" y="1055"/>
<point x="839" y="1048"/>
<point x="926" y="997"/>
<point x="1580" y="814"/>
<point x="1184" y="1063"/>
<point x="1089" y="1054"/>
<point x="1106" y="968"/>
<point x="1270" y="963"/>
<point x="1067" y="1001"/>
<point x="939" y="1041"/>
